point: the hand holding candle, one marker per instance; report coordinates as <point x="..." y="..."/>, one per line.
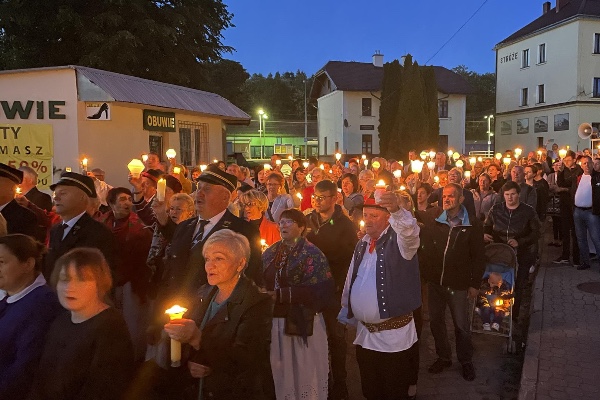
<point x="175" y="312"/>
<point x="379" y="190"/>
<point x="161" y="187"/>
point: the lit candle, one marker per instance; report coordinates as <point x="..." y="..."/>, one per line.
<point x="416" y="166"/>
<point x="506" y="160"/>
<point x="376" y="164"/>
<point x="267" y="166"/>
<point x="305" y="164"/>
<point x="364" y="157"/>
<point x="366" y="162"/>
<point x="436" y="179"/>
<point x="431" y="165"/>
<point x="18" y="190"/>
<point x="397" y="173"/>
<point x="361" y="224"/>
<point x="144" y="157"/>
<point x="518" y="152"/>
<point x="467" y="174"/>
<point x="176" y="170"/>
<point x="539" y="153"/>
<point x="450" y="152"/>
<point x="498" y="156"/>
<point x="299" y="195"/>
<point x="202" y="167"/>
<point x="171" y="153"/>
<point x="263" y="245"/>
<point x="480" y="159"/>
<point x="338" y="156"/>
<point x="379" y="190"/>
<point x="423" y="155"/>
<point x="215" y="161"/>
<point x="331" y="171"/>
<point x="290" y="158"/>
<point x="562" y="153"/>
<point x="84" y="163"/>
<point x="136" y="167"/>
<point x="161" y="186"/>
<point x="432" y="154"/>
<point x="381" y="184"/>
<point x="499" y="302"/>
<point x="322" y="166"/>
<point x="455" y="156"/>
<point x="277" y="162"/>
<point x="402" y="187"/>
<point x="472" y="160"/>
<point x="175" y="312"/>
<point x="459" y="164"/>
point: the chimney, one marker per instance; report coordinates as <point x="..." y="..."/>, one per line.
<point x="378" y="59"/>
<point x="560" y="4"/>
<point x="546" y="7"/>
<point x="402" y="60"/>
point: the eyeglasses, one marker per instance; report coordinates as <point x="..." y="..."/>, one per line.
<point x="249" y="204"/>
<point x="319" y="198"/>
<point x="284" y="222"/>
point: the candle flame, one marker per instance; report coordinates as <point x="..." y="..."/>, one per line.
<point x="299" y="196"/>
<point x="176" y="309"/>
<point x="322" y="166"/>
<point x="338" y="156"/>
<point x="277" y="162"/>
<point x="263" y="242"/>
<point x="18" y="190"/>
<point x="381" y="182"/>
<point x="361" y="223"/>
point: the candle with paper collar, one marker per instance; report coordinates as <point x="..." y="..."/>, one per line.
<point x="416" y="166"/>
<point x="299" y="195"/>
<point x="175" y="312"/>
<point x="176" y="170"/>
<point x="436" y="179"/>
<point x="472" y="161"/>
<point x="562" y="153"/>
<point x="366" y="162"/>
<point x="459" y="164"/>
<point x="136" y="167"/>
<point x="506" y="160"/>
<point x="467" y="174"/>
<point x="170" y="153"/>
<point x="379" y="190"/>
<point x="397" y="173"/>
<point x="431" y="165"/>
<point x="202" y="167"/>
<point x="364" y="157"/>
<point x="161" y="187"/>
<point x="267" y="166"/>
<point x="215" y="161"/>
<point x="338" y="156"/>
<point x="277" y="162"/>
<point x="322" y="166"/>
<point x="432" y="154"/>
<point x="305" y="164"/>
<point x="144" y="157"/>
<point x="498" y="156"/>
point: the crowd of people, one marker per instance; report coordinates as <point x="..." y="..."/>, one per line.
<point x="270" y="266"/>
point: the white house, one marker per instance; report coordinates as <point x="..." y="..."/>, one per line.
<point x="548" y="77"/>
<point x="348" y="96"/>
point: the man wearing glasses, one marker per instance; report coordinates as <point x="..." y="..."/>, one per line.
<point x="335" y="235"/>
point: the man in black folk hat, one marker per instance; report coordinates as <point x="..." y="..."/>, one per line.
<point x="184" y="264"/>
<point x="18" y="219"/>
<point x="71" y="195"/>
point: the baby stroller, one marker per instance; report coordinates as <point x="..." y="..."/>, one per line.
<point x="500" y="258"/>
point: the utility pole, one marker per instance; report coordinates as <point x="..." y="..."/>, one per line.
<point x="305" y="125"/>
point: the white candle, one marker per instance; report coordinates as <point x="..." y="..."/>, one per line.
<point x="84" y="162"/>
<point x="379" y="190"/>
<point x="338" y="156"/>
<point x="161" y="187"/>
<point x="175" y="312"/>
<point x="176" y="170"/>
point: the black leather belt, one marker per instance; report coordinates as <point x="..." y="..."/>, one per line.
<point x="584" y="208"/>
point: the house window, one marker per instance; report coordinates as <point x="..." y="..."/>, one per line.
<point x="443" y="108"/>
<point x="366" y="107"/>
<point x="185" y="146"/>
<point x="541" y="94"/>
<point x="596" y="88"/>
<point x="524" y="96"/>
<point x="542" y="53"/>
<point x="596" y="43"/>
<point x="325" y="147"/>
<point x="525" y="59"/>
<point x="367" y="144"/>
<point x="255" y="151"/>
<point x="337" y="147"/>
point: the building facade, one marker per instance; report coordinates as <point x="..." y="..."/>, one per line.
<point x="65" y="114"/>
<point x="348" y="96"/>
<point x="548" y="78"/>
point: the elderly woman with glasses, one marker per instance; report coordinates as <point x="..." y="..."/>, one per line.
<point x="254" y="204"/>
<point x="228" y="330"/>
<point x="278" y="199"/>
<point x="298" y="277"/>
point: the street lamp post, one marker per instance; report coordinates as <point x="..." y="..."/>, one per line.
<point x="261" y="127"/>
<point x="265" y="117"/>
<point x="489" y="132"/>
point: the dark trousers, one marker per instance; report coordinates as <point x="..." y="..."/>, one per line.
<point x="441" y="297"/>
<point x="568" y="235"/>
<point x="556" y="228"/>
<point x="336" y="337"/>
<point x="490" y="315"/>
<point x="387" y="376"/>
<point x="525" y="258"/>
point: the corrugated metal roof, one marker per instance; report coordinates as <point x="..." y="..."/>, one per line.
<point x="130" y="89"/>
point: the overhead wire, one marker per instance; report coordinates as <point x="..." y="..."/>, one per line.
<point x="456" y="33"/>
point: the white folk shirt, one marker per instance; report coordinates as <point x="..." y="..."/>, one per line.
<point x="364" y="291"/>
<point x="583" y="195"/>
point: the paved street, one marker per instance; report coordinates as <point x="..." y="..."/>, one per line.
<point x="564" y="337"/>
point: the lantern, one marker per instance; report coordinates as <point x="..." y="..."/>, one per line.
<point x="136" y="167"/>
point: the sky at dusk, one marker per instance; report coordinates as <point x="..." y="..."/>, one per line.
<point x="284" y="35"/>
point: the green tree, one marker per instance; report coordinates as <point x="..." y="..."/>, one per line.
<point x="169" y="40"/>
<point x="390" y="97"/>
<point x="409" y="121"/>
<point x="480" y="103"/>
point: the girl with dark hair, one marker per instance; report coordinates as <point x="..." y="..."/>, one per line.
<point x="88" y="352"/>
<point x="352" y="198"/>
<point x="27" y="308"/>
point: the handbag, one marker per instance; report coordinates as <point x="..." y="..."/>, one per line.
<point x="299" y="321"/>
<point x="553" y="207"/>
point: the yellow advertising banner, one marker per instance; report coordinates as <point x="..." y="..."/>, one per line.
<point x="28" y="145"/>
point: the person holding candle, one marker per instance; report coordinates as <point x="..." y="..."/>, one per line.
<point x="454" y="176"/>
<point x="27" y="309"/>
<point x="144" y="190"/>
<point x="381" y="292"/>
<point x="227" y="329"/>
<point x="255" y="204"/>
<point x="297" y="274"/>
<point x="352" y="198"/>
<point x="484" y="196"/>
<point x="88" y="352"/>
<point x="495" y="174"/>
<point x="317" y="175"/>
<point x="278" y="199"/>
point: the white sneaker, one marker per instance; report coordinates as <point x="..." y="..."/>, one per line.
<point x="486" y="327"/>
<point x="495" y="326"/>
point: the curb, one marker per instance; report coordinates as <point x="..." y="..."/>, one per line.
<point x="529" y="375"/>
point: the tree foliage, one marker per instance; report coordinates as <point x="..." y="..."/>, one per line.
<point x="409" y="103"/>
<point x="171" y="41"/>
<point x="483" y="101"/>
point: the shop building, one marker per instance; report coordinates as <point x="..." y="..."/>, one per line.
<point x="75" y="112"/>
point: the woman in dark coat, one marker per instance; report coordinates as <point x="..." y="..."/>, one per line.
<point x="229" y="330"/>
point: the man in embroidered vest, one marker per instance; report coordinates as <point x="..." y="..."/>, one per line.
<point x="452" y="263"/>
<point x="381" y="292"/>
